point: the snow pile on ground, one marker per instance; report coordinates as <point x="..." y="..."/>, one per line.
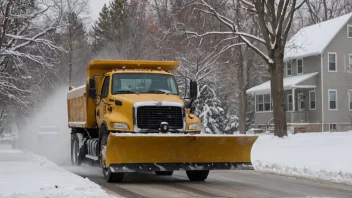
<point x="323" y="156"/>
<point x="28" y="175"/>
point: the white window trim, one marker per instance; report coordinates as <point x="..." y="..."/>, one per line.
<point x="287" y="70"/>
<point x="310" y="104"/>
<point x="256" y="110"/>
<point x="263" y="103"/>
<point x="337" y="106"/>
<point x="348" y="61"/>
<point x="255" y="102"/>
<point x="335" y="62"/>
<point x="348" y="27"/>
<point x="297" y="66"/>
<point x="332" y="124"/>
<point x="288" y="103"/>
<point x="349" y="99"/>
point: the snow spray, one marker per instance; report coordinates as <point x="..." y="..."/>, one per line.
<point x="46" y="132"/>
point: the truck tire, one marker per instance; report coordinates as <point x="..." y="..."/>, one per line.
<point x="164" y="173"/>
<point x="197" y="175"/>
<point x="108" y="175"/>
<point x="112" y="177"/>
<point x="76" y="153"/>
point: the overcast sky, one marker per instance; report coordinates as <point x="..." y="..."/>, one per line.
<point x="96" y="6"/>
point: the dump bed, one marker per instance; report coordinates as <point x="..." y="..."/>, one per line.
<point x="77" y="107"/>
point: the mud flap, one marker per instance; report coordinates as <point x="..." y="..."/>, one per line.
<point x="158" y="152"/>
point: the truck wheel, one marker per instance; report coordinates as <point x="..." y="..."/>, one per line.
<point x="197" y="175"/>
<point x="164" y="173"/>
<point x="108" y="175"/>
<point x="76" y="154"/>
<point x="112" y="177"/>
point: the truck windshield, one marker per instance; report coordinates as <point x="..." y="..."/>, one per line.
<point x="128" y="83"/>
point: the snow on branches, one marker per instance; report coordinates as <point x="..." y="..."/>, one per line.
<point x="24" y="43"/>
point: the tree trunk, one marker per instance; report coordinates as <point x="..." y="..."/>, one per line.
<point x="242" y="92"/>
<point x="70" y="52"/>
<point x="277" y="93"/>
<point x="6" y="22"/>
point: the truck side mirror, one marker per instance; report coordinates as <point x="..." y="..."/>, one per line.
<point x="193" y="89"/>
<point x="92" y="88"/>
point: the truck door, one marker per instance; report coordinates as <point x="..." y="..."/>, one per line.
<point x="102" y="107"/>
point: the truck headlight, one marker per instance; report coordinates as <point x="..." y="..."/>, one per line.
<point x="121" y="126"/>
<point x="193" y="126"/>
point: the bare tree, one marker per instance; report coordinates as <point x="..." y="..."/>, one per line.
<point x="323" y="10"/>
<point x="27" y="54"/>
<point x="275" y="19"/>
<point x="74" y="14"/>
<point x="19" y="37"/>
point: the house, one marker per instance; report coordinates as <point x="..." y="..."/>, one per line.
<point x="317" y="81"/>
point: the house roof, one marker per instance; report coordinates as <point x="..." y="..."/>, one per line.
<point x="312" y="40"/>
<point x="289" y="83"/>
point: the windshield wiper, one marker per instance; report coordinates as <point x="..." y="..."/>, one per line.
<point x="158" y="91"/>
<point x="125" y="92"/>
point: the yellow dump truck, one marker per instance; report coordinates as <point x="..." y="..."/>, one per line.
<point x="129" y="117"/>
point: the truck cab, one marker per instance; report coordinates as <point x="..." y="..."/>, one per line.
<point x="141" y="101"/>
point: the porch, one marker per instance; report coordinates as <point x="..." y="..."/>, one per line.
<point x="298" y="117"/>
<point x="300" y="101"/>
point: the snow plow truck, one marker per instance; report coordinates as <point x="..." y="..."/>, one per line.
<point x="129" y="117"/>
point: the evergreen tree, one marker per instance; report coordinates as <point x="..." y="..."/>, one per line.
<point x="210" y="111"/>
<point x="102" y="28"/>
<point x="75" y="42"/>
<point x="118" y="13"/>
<point x="121" y="30"/>
<point x="231" y="123"/>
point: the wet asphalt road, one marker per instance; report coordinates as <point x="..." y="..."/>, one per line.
<point x="239" y="183"/>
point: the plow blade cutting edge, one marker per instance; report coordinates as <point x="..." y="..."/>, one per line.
<point x="139" y="153"/>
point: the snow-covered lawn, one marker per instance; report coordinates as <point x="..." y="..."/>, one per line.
<point x="323" y="156"/>
<point x="28" y="175"/>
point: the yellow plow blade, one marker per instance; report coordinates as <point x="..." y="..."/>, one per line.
<point x="173" y="152"/>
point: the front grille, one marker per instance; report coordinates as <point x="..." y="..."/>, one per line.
<point x="150" y="117"/>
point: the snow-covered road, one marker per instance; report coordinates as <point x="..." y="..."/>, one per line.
<point x="315" y="156"/>
<point x="239" y="183"/>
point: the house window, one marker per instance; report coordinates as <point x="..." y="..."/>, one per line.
<point x="289" y="102"/>
<point x="263" y="103"/>
<point x="332" y="127"/>
<point x="260" y="103"/>
<point x="267" y="102"/>
<point x="349" y="31"/>
<point x="288" y="69"/>
<point x="300" y="66"/>
<point x="312" y="98"/>
<point x="332" y="99"/>
<point x="350" y="99"/>
<point x="350" y="61"/>
<point x="332" y="62"/>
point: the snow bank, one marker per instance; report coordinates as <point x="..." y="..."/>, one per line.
<point x="28" y="175"/>
<point x="323" y="156"/>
